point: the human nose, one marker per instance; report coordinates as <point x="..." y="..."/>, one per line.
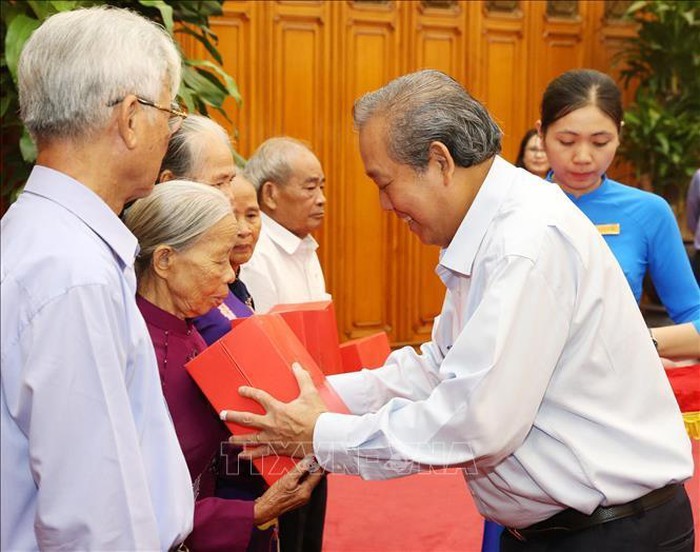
<point x="385" y="202"/>
<point x="321" y="197"/>
<point x="244" y="228"/>
<point x="229" y="274"/>
<point x="582" y="154"/>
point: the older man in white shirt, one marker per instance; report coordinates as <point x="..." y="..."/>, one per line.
<point x="284" y="267"/>
<point x="540" y="380"/>
<point x="89" y="455"/>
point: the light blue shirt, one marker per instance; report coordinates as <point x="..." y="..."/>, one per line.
<point x="90" y="459"/>
<point x="540" y="380"/>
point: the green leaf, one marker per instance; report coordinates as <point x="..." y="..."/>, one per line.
<point x="18" y="32"/>
<point x="41" y="9"/>
<point x="4" y="104"/>
<point x="65" y="5"/>
<point x="664" y="143"/>
<point x="229" y="84"/>
<point x="27" y="147"/>
<point x="166" y="11"/>
<point x="207" y="91"/>
<point x="207" y="44"/>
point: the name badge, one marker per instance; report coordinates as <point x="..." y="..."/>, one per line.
<point x="608" y="229"/>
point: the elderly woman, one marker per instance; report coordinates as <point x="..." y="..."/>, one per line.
<point x="201" y="151"/>
<point x="186" y="231"/>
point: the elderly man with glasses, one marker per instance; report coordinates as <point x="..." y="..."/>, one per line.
<point x="90" y="459"/>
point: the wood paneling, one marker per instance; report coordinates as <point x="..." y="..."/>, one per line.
<point x="369" y="50"/>
<point x="300" y="65"/>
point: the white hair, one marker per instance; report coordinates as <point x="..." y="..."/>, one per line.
<point x="78" y="62"/>
<point x="187" y="145"/>
<point x="270" y="162"/>
<point x="176" y="213"/>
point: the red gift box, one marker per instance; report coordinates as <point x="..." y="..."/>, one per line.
<point x="365" y="352"/>
<point x="315" y="325"/>
<point x="685" y="382"/>
<point x="258" y="352"/>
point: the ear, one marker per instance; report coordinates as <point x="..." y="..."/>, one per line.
<point x="440" y="155"/>
<point x="268" y="195"/>
<point x="162" y="260"/>
<point x="126" y="120"/>
<point x="166" y="175"/>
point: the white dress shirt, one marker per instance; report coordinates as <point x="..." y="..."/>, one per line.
<point x="283" y="269"/>
<point x="90" y="459"/>
<point x="541" y="380"/>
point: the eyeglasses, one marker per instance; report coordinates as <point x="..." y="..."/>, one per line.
<point x="177" y="112"/>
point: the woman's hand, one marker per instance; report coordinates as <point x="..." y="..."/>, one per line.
<point x="289" y="492"/>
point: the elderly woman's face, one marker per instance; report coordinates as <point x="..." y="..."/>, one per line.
<point x="199" y="276"/>
<point x="247" y="211"/>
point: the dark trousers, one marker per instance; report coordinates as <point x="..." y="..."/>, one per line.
<point x="666" y="528"/>
<point x="301" y="530"/>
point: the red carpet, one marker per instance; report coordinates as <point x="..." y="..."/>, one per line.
<point x="421" y="513"/>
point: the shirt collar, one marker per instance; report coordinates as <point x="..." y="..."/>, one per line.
<point x="162" y="319"/>
<point x="459" y="255"/>
<point x="288" y="241"/>
<point x="85" y="204"/>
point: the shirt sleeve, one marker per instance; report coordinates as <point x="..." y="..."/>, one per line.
<point x="84" y="446"/>
<point x="405" y="374"/>
<point x="669" y="266"/>
<point x="498" y="358"/>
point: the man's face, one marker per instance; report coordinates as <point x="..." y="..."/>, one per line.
<point x="154" y="134"/>
<point x="299" y="204"/>
<point x="413" y="197"/>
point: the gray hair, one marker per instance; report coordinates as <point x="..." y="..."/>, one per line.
<point x="429" y="106"/>
<point x="78" y="62"/>
<point x="270" y="162"/>
<point x="175" y="214"/>
<point x="187" y="145"/>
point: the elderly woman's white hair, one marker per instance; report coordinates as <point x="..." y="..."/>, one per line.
<point x="187" y="145"/>
<point x="79" y="62"/>
<point x="175" y="214"/>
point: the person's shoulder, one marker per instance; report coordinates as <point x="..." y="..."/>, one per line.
<point x="618" y="190"/>
<point x="59" y="254"/>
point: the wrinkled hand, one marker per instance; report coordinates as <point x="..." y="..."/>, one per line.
<point x="285" y="428"/>
<point x="289" y="492"/>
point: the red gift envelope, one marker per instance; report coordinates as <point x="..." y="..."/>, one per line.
<point x="315" y="325"/>
<point x="258" y="352"/>
<point x="365" y="352"/>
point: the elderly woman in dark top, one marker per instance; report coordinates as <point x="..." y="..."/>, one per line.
<point x="186" y="231"/>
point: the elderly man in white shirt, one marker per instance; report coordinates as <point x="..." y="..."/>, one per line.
<point x="89" y="455"/>
<point x="541" y="379"/>
<point x="284" y="267"/>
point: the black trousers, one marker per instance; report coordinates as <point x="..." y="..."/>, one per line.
<point x="666" y="528"/>
<point x="301" y="530"/>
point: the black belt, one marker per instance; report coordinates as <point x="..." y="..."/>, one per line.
<point x="571" y="520"/>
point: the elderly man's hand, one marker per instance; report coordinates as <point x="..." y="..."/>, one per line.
<point x="289" y="492"/>
<point x="285" y="428"/>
